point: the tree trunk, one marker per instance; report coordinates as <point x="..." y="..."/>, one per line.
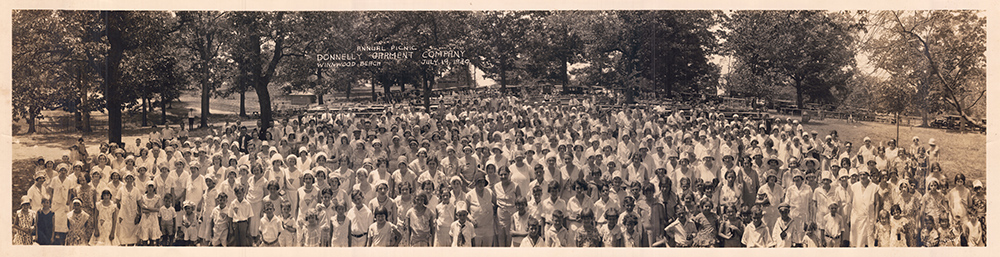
<point x="163" y="109"/>
<point x="114" y="22"/>
<point x="503" y="78"/>
<point x="84" y="103"/>
<point x="427" y="91"/>
<point x="78" y="115"/>
<point x="350" y="87"/>
<point x="86" y="122"/>
<point x="319" y="98"/>
<point x="564" y="70"/>
<point x="243" y="103"/>
<point x="387" y="88"/>
<point x="206" y="88"/>
<point x="471" y="83"/>
<point x="923" y="117"/>
<point x="798" y="94"/>
<point x="373" y="91"/>
<point x="264" y="98"/>
<point x="78" y="118"/>
<point x="31" y="119"/>
<point x="145" y="108"/>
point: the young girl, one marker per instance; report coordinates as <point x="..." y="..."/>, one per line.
<point x="24" y="223"/>
<point x="419" y="222"/>
<point x="187" y="228"/>
<point x="898" y="226"/>
<point x="730" y="227"/>
<point x="339" y="225"/>
<point x="205" y="208"/>
<point x="78" y="223"/>
<point x="706" y="224"/>
<point x="519" y="221"/>
<point x="882" y="229"/>
<point x="949" y="234"/>
<point x="107" y="214"/>
<point x="382" y="233"/>
<point x="929" y="233"/>
<point x="309" y="234"/>
<point x="45" y="226"/>
<point x="149" y="225"/>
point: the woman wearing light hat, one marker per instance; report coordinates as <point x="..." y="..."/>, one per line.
<point x="128" y="196"/>
<point x="482" y="204"/>
<point x="59" y="188"/>
<point x="24" y="223"/>
<point x="863" y="211"/>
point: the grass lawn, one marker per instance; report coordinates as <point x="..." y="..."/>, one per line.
<point x="20" y="181"/>
<point x="960" y="152"/>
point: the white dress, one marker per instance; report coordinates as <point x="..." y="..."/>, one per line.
<point x="104" y="224"/>
<point x="149" y="227"/>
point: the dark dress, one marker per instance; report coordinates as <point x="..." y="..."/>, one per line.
<point x="45" y="227"/>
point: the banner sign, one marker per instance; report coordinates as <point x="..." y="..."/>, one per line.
<point x="378" y="55"/>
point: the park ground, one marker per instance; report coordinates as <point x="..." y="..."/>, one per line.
<point x="960" y="152"/>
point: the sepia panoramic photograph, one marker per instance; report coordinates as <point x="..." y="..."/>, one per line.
<point x="706" y="128"/>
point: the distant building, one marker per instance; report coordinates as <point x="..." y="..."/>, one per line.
<point x="300" y="98"/>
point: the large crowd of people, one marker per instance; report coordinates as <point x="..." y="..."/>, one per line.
<point x="500" y="172"/>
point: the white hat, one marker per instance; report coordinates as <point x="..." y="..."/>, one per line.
<point x="931" y="142"/>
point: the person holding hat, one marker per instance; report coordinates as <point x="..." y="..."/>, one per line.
<point x="24" y="223"/>
<point x="462" y="230"/>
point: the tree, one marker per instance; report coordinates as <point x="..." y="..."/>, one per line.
<point x="199" y="36"/>
<point x="128" y="34"/>
<point x="261" y="41"/>
<point x="810" y="50"/>
<point x="651" y="51"/>
<point x="35" y="64"/>
<point x="498" y="40"/>
<point x="941" y="53"/>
